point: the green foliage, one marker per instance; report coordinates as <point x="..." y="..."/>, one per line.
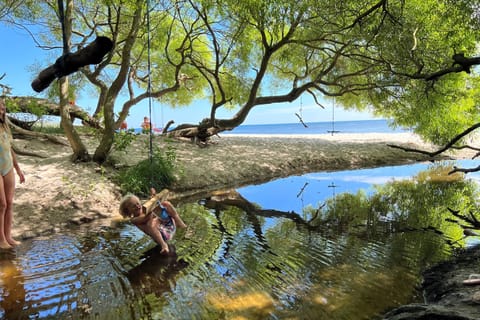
<point x="31" y="106"/>
<point x="123" y="139"/>
<point x="157" y="172"/>
<point x="368" y="60"/>
<point x="348" y="208"/>
<point x="249" y="53"/>
<point x="422" y="39"/>
<point x="440" y="112"/>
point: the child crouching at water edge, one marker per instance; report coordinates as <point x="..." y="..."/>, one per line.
<point x="160" y="223"/>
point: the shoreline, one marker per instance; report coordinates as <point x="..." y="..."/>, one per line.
<point x="391" y="138"/>
<point x="361" y="136"/>
<point x="58" y="192"/>
<point x="242" y="159"/>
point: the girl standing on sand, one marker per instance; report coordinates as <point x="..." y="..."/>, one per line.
<point x="8" y="161"/>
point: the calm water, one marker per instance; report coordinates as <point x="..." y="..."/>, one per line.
<point x="363" y="126"/>
<point x="253" y="253"/>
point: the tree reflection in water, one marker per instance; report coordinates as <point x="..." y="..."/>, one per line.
<point x="403" y="214"/>
<point x="420" y="204"/>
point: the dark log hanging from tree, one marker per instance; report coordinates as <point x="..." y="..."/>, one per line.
<point x="72" y="62"/>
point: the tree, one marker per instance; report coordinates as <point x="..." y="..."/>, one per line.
<point x="80" y="152"/>
<point x="124" y="68"/>
<point x="375" y="54"/>
<point x="365" y="55"/>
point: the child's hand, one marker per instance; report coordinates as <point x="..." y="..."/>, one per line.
<point x="165" y="250"/>
<point x="153" y="192"/>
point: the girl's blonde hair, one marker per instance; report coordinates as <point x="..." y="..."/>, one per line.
<point x="4" y="124"/>
<point x="123" y="205"/>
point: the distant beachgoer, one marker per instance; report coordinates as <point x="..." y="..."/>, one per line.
<point x="145" y="125"/>
<point x="124" y="126"/>
<point x="8" y="162"/>
<point x="160" y="223"/>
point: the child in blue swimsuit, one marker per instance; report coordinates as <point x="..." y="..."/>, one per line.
<point x="160" y="223"/>
<point x="167" y="223"/>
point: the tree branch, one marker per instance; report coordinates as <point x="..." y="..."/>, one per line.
<point x="448" y="146"/>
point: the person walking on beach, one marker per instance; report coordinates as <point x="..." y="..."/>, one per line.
<point x="8" y="162"/>
<point x="160" y="223"/>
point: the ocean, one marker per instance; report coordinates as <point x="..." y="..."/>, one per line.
<point x="361" y="126"/>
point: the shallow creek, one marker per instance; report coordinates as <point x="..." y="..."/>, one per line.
<point x="250" y="253"/>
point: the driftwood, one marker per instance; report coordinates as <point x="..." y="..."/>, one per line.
<point x="19" y="131"/>
<point x="167" y="126"/>
<point x="72" y="62"/>
<point x="27" y="153"/>
<point x="52" y="109"/>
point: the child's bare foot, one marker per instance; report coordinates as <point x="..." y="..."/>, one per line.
<point x="5" y="245"/>
<point x="13" y="242"/>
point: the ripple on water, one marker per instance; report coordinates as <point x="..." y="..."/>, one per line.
<point x="227" y="264"/>
<point x="59" y="277"/>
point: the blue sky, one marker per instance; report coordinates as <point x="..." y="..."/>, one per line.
<point x="21" y="57"/>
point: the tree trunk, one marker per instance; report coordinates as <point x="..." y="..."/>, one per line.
<point x="103" y="149"/>
<point x="80" y="152"/>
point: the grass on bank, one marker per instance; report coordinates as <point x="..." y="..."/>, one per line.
<point x="157" y="172"/>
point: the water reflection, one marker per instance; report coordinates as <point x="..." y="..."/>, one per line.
<point x="12" y="290"/>
<point x="313" y="253"/>
<point x="155" y="272"/>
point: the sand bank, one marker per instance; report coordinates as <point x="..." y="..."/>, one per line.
<point x="57" y="191"/>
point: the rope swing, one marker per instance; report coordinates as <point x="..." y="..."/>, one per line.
<point x="333" y="120"/>
<point x="149" y="90"/>
<point x="150" y="99"/>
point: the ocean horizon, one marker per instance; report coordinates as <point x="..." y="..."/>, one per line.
<point x="338" y="127"/>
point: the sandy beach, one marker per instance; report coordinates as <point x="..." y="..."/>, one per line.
<point x="58" y="192"/>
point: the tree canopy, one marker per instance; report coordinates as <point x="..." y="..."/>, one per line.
<point x="404" y="60"/>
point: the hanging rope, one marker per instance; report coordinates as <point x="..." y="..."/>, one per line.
<point x="149" y="90"/>
<point x="61" y="16"/>
<point x="333" y="120"/>
<point x="300" y="116"/>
